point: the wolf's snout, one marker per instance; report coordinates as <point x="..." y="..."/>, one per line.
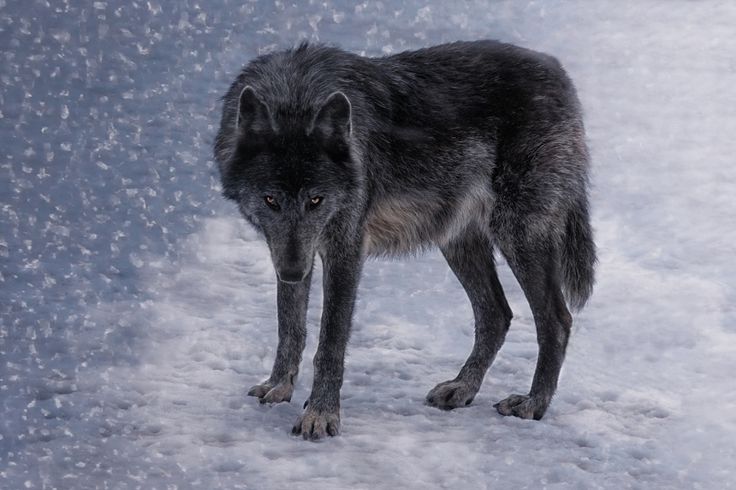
<point x="291" y="274"/>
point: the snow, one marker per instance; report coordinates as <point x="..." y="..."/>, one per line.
<point x="137" y="308"/>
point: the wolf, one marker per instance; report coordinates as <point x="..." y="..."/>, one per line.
<point x="470" y="147"/>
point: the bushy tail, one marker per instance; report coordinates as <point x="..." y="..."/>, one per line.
<point x="578" y="257"/>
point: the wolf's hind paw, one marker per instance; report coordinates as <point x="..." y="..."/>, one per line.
<point x="451" y="394"/>
<point x="522" y="406"/>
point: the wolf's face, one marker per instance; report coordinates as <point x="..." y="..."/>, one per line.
<point x="290" y="180"/>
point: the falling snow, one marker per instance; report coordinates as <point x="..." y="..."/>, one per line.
<point x="137" y="308"/>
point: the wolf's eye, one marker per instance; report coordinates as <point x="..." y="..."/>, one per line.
<point x="271" y="202"/>
<point x="315" y="201"/>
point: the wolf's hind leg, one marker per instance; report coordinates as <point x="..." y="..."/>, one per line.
<point x="292" y="302"/>
<point x="470" y="257"/>
<point x="536" y="267"/>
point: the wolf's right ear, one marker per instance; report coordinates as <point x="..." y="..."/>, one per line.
<point x="253" y="115"/>
<point x="333" y="121"/>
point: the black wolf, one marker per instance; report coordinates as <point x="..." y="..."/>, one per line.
<point x="470" y="146"/>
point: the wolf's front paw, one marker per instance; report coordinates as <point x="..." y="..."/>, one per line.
<point x="451" y="394"/>
<point x="522" y="406"/>
<point x="316" y="424"/>
<point x="269" y="393"/>
<point x="260" y="390"/>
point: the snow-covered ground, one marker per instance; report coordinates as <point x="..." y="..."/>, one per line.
<point x="136" y="307"/>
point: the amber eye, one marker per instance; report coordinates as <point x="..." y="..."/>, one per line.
<point x="315" y="201"/>
<point x="271" y="202"/>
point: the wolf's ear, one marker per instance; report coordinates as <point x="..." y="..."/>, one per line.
<point x="253" y="115"/>
<point x="334" y="117"/>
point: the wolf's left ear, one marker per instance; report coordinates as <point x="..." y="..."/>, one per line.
<point x="253" y="114"/>
<point x="334" y="117"/>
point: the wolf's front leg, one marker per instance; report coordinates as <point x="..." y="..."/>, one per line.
<point x="292" y="317"/>
<point x="321" y="417"/>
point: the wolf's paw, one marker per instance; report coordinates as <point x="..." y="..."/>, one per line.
<point x="316" y="424"/>
<point x="451" y="394"/>
<point x="268" y="393"/>
<point x="523" y="406"/>
<point x="260" y="390"/>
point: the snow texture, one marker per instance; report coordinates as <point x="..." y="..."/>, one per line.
<point x="137" y="307"/>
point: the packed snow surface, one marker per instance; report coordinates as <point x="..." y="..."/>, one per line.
<point x="137" y="307"/>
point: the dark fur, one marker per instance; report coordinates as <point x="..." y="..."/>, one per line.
<point x="466" y="146"/>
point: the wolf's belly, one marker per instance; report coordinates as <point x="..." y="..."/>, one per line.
<point x="411" y="223"/>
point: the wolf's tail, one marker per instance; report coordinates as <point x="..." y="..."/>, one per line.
<point x="578" y="257"/>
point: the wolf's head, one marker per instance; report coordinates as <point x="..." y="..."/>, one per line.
<point x="290" y="175"/>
